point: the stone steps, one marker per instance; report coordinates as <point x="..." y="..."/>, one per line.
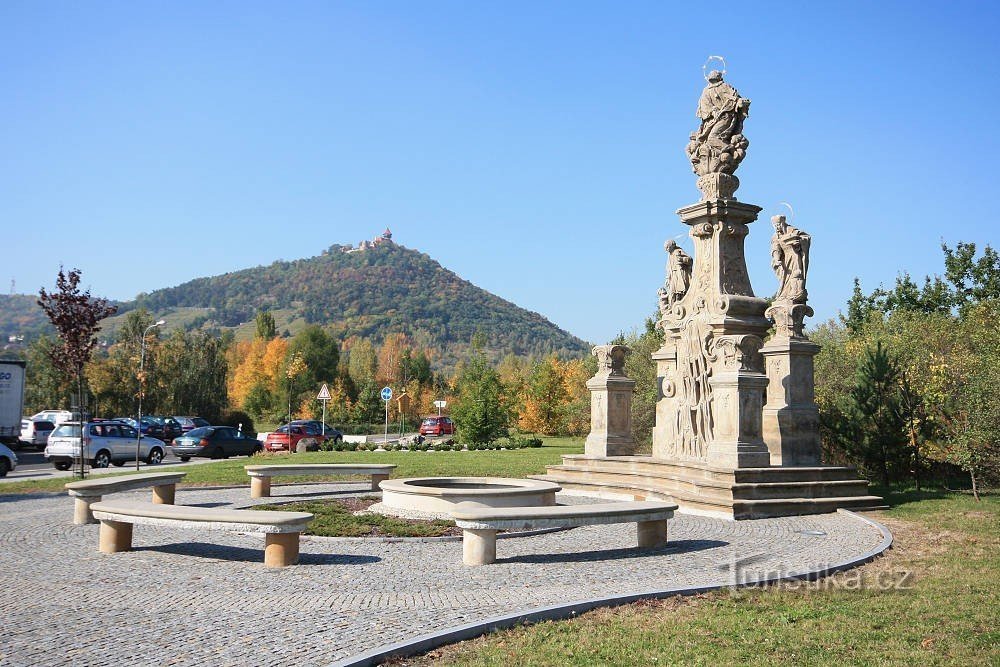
<point x="649" y="465"/>
<point x="741" y="494"/>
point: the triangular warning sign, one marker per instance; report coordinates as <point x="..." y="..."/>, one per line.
<point x="324" y="393"/>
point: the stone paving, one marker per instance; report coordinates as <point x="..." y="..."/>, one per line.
<point x="185" y="597"/>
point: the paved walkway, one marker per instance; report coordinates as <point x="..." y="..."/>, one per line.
<point x="199" y="597"/>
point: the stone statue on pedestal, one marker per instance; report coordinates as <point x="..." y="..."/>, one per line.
<point x="718" y="147"/>
<point x="678" y="277"/>
<point x="790" y="260"/>
<point x="791" y="417"/>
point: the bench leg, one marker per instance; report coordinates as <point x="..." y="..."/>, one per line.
<point x="115" y="536"/>
<point x="479" y="547"/>
<point x="652" y="533"/>
<point x="260" y="487"/>
<point x="164" y="494"/>
<point x="81" y="510"/>
<point x="375" y="481"/>
<point x="281" y="549"/>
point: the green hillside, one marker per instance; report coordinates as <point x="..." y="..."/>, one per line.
<point x="370" y="293"/>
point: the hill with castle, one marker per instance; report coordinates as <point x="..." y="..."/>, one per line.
<point x="370" y="290"/>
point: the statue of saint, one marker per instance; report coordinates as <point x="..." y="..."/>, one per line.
<point x="678" y="277"/>
<point x="790" y="260"/>
<point x="719" y="145"/>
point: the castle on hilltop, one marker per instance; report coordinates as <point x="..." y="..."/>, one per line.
<point x="386" y="237"/>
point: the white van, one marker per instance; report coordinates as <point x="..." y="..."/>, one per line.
<point x="55" y="416"/>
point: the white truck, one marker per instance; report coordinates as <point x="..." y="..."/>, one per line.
<point x="11" y="400"/>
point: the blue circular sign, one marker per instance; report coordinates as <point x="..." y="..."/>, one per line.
<point x="386" y="393"/>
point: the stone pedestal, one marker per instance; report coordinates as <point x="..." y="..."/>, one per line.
<point x="664" y="439"/>
<point x="791" y="417"/>
<point x="738" y="440"/>
<point x="281" y="549"/>
<point x="610" y="405"/>
<point x="710" y="370"/>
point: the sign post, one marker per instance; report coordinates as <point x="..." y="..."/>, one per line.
<point x="439" y="405"/>
<point x="403" y="403"/>
<point x="324" y="395"/>
<point x="386" y="396"/>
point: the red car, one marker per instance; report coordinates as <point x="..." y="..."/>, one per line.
<point x="280" y="441"/>
<point x="437" y="426"/>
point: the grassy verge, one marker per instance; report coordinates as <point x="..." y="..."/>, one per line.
<point x="335" y="518"/>
<point x="943" y="613"/>
<point x="512" y="463"/>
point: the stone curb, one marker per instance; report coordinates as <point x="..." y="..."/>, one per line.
<point x="459" y="633"/>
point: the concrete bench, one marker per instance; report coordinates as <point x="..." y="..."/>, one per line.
<point x="479" y="523"/>
<point x="89" y="491"/>
<point x="281" y="529"/>
<point x="260" y="475"/>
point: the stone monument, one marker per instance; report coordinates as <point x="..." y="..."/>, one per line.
<point x="610" y="404"/>
<point x="791" y="417"/>
<point x="710" y="368"/>
<point x="737" y="429"/>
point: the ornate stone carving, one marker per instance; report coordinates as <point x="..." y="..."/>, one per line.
<point x="739" y="353"/>
<point x="718" y="147"/>
<point x="610" y="360"/>
<point x="678" y="278"/>
<point x="788" y="318"/>
<point x="790" y="260"/>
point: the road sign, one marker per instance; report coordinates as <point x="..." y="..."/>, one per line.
<point x="440" y="404"/>
<point x="324" y="393"/>
<point x="386" y="394"/>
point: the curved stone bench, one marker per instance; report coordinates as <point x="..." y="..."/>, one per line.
<point x="89" y="491"/>
<point x="260" y="475"/>
<point x="281" y="529"/>
<point x="480" y="524"/>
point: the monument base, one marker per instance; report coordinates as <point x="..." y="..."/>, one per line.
<point x="698" y="488"/>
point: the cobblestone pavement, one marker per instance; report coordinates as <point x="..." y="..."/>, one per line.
<point x="184" y="597"/>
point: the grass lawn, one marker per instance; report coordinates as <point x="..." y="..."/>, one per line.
<point x="335" y="518"/>
<point x="510" y="463"/>
<point x="948" y="615"/>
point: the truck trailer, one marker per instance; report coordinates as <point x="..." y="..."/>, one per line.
<point x="11" y="400"/>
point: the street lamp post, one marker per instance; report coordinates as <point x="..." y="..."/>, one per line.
<point x="142" y="382"/>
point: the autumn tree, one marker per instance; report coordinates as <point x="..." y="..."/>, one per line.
<point x="76" y="317"/>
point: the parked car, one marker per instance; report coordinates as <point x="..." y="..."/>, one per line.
<point x="316" y="427"/>
<point x="8" y="460"/>
<point x="171" y="427"/>
<point x="188" y="423"/>
<point x="287" y="438"/>
<point x="104" y="443"/>
<point x="56" y="416"/>
<point x="437" y="426"/>
<point x="216" y="442"/>
<point x="35" y="433"/>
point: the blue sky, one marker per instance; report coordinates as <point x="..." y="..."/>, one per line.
<point x="535" y="148"/>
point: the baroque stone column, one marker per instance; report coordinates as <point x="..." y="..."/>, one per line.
<point x="710" y="370"/>
<point x="610" y="404"/>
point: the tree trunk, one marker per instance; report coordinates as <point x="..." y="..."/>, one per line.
<point x="916" y="456"/>
<point x="975" y="490"/>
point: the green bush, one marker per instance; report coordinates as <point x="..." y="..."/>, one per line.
<point x="236" y="418"/>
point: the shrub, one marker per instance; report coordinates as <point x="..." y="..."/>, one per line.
<point x="236" y="418"/>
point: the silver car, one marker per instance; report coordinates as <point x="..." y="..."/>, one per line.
<point x="8" y="460"/>
<point x="105" y="443"/>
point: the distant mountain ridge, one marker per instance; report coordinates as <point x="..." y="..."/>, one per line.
<point x="382" y="289"/>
